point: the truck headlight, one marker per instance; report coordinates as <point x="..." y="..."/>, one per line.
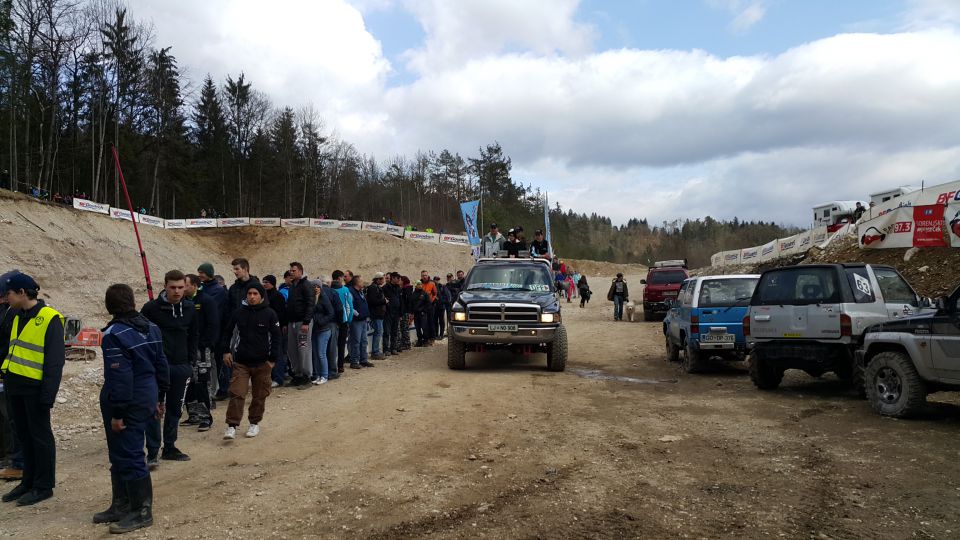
<point x="549" y="317"/>
<point x="459" y="316"/>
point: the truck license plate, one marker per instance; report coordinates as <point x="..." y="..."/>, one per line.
<point x="718" y="338"/>
<point x="502" y="327"/>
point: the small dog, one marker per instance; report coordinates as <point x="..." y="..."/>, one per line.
<point x="630" y="307"/>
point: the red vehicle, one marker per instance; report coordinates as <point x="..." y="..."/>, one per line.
<point x="662" y="285"/>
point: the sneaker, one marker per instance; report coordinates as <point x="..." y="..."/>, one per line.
<point x="354" y="366"/>
<point x="377" y="356"/>
<point x="230" y="433"/>
<point x="274" y="384"/>
<point x="191" y="420"/>
<point x="321" y="380"/>
<point x="174" y="454"/>
<point x="366" y="364"/>
<point x="253" y="430"/>
<point x="153" y="462"/>
<point x="205" y="425"/>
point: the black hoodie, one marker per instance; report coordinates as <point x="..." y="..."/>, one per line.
<point x="237" y="294"/>
<point x="253" y="335"/>
<point x="178" y="325"/>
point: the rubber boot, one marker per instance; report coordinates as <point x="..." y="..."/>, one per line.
<point x="119" y="503"/>
<point x="141" y="507"/>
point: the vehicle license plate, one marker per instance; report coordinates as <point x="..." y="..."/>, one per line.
<point x="671" y="293"/>
<point x="502" y="327"/>
<point x="792" y="334"/>
<point x="718" y="338"/>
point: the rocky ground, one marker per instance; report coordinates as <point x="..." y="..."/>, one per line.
<point x="621" y="445"/>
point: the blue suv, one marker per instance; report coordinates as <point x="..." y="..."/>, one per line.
<point x="706" y="320"/>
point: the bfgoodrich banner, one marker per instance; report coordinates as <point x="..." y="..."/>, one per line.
<point x="431" y="238"/>
<point x="90" y="206"/>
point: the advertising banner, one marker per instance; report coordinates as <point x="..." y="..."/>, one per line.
<point x="233" y="222"/>
<point x="731" y="258"/>
<point x="953" y="225"/>
<point x="120" y="213"/>
<point x="201" y="223"/>
<point x="265" y="221"/>
<point x="90" y="206"/>
<point x="750" y="255"/>
<point x="150" y="220"/>
<point x="904" y="227"/>
<point x="819" y="235"/>
<point x="455" y="239"/>
<point x="770" y="251"/>
<point x="324" y="223"/>
<point x="174" y="224"/>
<point x="350" y="225"/>
<point x="430" y="238"/>
<point x="374" y="227"/>
<point x="804" y="242"/>
<point x="297" y="222"/>
<point x="788" y="246"/>
<point x="395" y="230"/>
<point x="716" y="259"/>
<point x="469" y="212"/>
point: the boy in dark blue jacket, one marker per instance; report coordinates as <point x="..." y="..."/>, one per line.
<point x="135" y="374"/>
<point x="358" y="326"/>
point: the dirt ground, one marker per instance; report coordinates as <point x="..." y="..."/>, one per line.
<point x="621" y="445"/>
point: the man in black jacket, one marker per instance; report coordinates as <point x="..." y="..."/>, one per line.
<point x="35" y="333"/>
<point x="177" y="318"/>
<point x="252" y="342"/>
<point x="278" y="304"/>
<point x="209" y="325"/>
<point x="236" y="294"/>
<point x="391" y="331"/>
<point x="378" y="312"/>
<point x="299" y="317"/>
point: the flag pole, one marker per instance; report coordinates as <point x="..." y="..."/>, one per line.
<point x="133" y="219"/>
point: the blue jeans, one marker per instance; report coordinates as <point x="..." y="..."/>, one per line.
<point x="333" y="351"/>
<point x="377" y="345"/>
<point x="617" y="307"/>
<point x="320" y="342"/>
<point x="358" y="342"/>
<point x="167" y="434"/>
<point x="280" y="368"/>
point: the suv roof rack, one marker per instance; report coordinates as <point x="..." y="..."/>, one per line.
<point x="676" y="263"/>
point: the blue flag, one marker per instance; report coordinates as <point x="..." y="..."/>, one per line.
<point x="469" y="212"/>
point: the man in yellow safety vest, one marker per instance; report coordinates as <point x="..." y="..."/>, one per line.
<point x="32" y="368"/>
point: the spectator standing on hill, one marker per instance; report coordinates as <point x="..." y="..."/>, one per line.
<point x="333" y="371"/>
<point x="618" y="294"/>
<point x="323" y="314"/>
<point x="419" y="306"/>
<point x="377" y="303"/>
<point x="342" y="289"/>
<point x="278" y="303"/>
<point x="429" y="331"/>
<point x="391" y="331"/>
<point x="208" y="325"/>
<point x="300" y="326"/>
<point x="406" y="299"/>
<point x="236" y="295"/>
<point x="285" y="287"/>
<point x="213" y="289"/>
<point x="444" y="300"/>
<point x="358" y="327"/>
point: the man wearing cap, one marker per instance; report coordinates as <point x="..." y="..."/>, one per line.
<point x="539" y="248"/>
<point x="377" y="303"/>
<point x="10" y="453"/>
<point x="492" y="243"/>
<point x="31" y="372"/>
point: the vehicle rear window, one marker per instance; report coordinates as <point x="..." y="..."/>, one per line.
<point x="798" y="286"/>
<point x="726" y="292"/>
<point x="664" y="277"/>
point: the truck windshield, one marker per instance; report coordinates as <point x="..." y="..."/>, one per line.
<point x="510" y="277"/>
<point x="665" y="277"/>
<point x="798" y="286"/>
<point x="726" y="292"/>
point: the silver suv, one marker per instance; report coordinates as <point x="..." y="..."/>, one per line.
<point x="812" y="317"/>
<point x="906" y="359"/>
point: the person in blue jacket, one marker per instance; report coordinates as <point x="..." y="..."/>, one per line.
<point x="135" y="374"/>
<point x="341" y="287"/>
<point x="358" y="326"/>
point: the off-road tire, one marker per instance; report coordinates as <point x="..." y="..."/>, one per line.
<point x="557" y="351"/>
<point x="910" y="392"/>
<point x="694" y="361"/>
<point x="673" y="352"/>
<point x="456" y="354"/>
<point x="764" y="375"/>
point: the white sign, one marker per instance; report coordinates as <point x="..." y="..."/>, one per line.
<point x="716" y="259"/>
<point x="90" y="206"/>
<point x="201" y="223"/>
<point x="893" y="229"/>
<point x="374" y="227"/>
<point x="233" y="222"/>
<point x="350" y="225"/>
<point x="770" y="251"/>
<point x="455" y="239"/>
<point x="395" y="230"/>
<point x="750" y="255"/>
<point x="819" y="235"/>
<point x="150" y="220"/>
<point x="804" y="242"/>
<point x="175" y="224"/>
<point x="431" y="238"/>
<point x="265" y="222"/>
<point x="325" y="223"/>
<point x="731" y="257"/>
<point x="788" y="246"/>
<point x="120" y="213"/>
<point x="298" y="222"/>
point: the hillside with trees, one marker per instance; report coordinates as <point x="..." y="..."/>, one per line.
<point x="79" y="78"/>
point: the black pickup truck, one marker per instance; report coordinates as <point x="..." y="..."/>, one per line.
<point x="508" y="303"/>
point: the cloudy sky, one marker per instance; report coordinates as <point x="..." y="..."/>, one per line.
<point x="661" y="109"/>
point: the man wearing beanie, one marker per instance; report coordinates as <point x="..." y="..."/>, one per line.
<point x="31" y="372"/>
<point x="252" y="345"/>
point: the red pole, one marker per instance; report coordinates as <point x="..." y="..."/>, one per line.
<point x="136" y="231"/>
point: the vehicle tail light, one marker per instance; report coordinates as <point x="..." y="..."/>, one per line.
<point x="746" y="326"/>
<point x="694" y="324"/>
<point x="846" y="325"/>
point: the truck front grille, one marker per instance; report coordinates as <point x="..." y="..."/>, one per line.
<point x="503" y="313"/>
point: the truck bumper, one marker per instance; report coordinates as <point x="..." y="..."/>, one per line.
<point x="655" y="307"/>
<point x="525" y="335"/>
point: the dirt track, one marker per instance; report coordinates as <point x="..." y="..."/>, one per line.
<point x="507" y="449"/>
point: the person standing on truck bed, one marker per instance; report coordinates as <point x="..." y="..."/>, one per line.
<point x="619" y="295"/>
<point x="492" y="243"/>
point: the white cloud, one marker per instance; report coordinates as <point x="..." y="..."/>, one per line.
<point x="925" y="14"/>
<point x="746" y="13"/>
